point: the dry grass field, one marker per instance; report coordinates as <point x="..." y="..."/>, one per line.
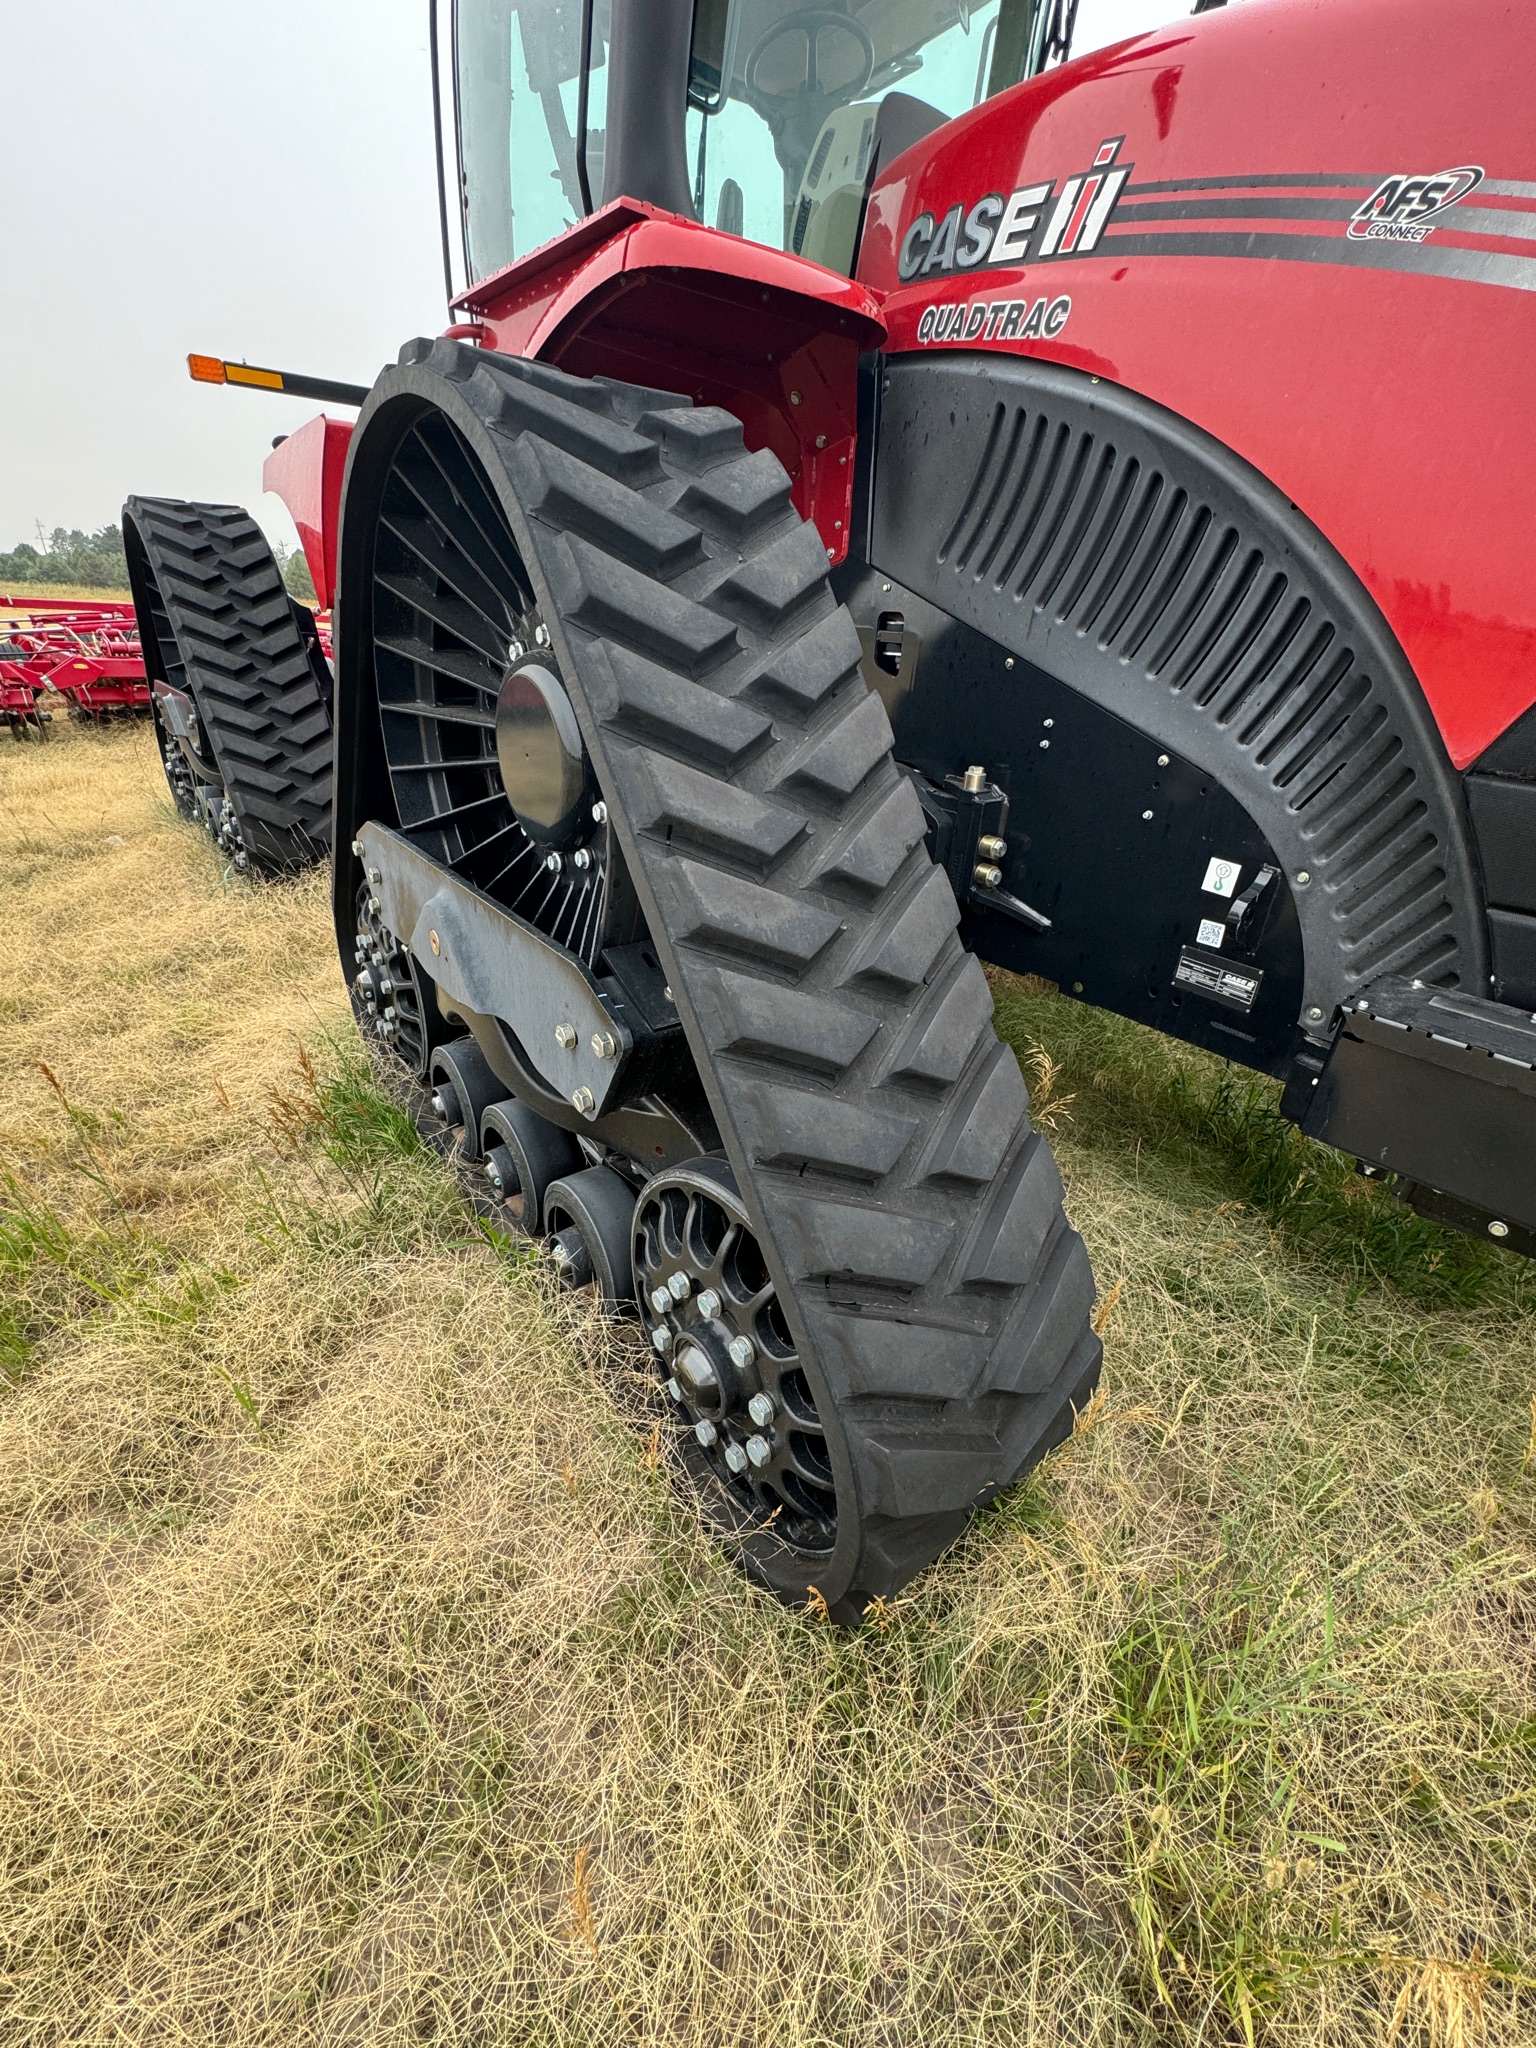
<point x="366" y="1679"/>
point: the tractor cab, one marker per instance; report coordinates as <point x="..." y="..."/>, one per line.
<point x="763" y="118"/>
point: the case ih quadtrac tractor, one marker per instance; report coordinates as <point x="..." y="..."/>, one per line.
<point x="896" y="496"/>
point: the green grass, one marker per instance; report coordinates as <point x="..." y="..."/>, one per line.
<point x="367" y="1677"/>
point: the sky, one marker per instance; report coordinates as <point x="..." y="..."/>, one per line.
<point x="178" y="175"/>
<point x="240" y="181"/>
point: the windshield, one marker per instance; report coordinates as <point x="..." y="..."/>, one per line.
<point x="790" y="107"/>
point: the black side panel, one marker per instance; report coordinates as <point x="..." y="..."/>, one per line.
<point x="1501" y="795"/>
<point x="1131" y="556"/>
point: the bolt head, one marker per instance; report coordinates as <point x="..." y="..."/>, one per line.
<point x="581" y="859"/>
<point x="1303" y="876"/>
<point x="375" y="875"/>
<point x="706" y="1432"/>
<point x="584" y="1100"/>
<point x="1146" y="817"/>
<point x="439" y="1106"/>
<point x="760" y="1408"/>
<point x="1497" y="1229"/>
<point x="661" y="1301"/>
<point x="709" y="1304"/>
<point x="661" y="1340"/>
<point x="605" y="1045"/>
<point x="553" y="863"/>
<point x="742" y="1351"/>
<point x="565" y="1037"/>
<point x="1314" y="1015"/>
<point x="679" y="1286"/>
<point x="759" y="1450"/>
<point x="674" y="1390"/>
<point x="1162" y="760"/>
<point x="599" y="814"/>
<point x="736" y="1457"/>
<point x="1044" y="746"/>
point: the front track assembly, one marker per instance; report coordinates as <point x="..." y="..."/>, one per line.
<point x="609" y="770"/>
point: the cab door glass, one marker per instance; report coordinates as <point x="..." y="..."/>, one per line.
<point x="783" y="103"/>
<point x="516" y="68"/>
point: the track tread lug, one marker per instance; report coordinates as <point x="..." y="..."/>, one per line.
<point x="644" y="701"/>
<point x="901" y="948"/>
<point x="835" y="760"/>
<point x="711" y="908"/>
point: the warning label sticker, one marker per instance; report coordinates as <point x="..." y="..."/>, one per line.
<point x="1219" y="979"/>
<point x="1221" y="877"/>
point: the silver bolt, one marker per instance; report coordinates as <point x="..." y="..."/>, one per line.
<point x="541" y="636"/>
<point x="709" y="1304"/>
<point x="1162" y="760"/>
<point x="736" y="1457"/>
<point x="990" y="847"/>
<point x="760" y="1408"/>
<point x="986" y="876"/>
<point x="679" y="1286"/>
<point x="759" y="1450"/>
<point x="565" y="1037"/>
<point x="661" y="1340"/>
<point x="1008" y="661"/>
<point x="1043" y="745"/>
<point x="389" y="1012"/>
<point x="599" y="814"/>
<point x="1047" y="723"/>
<point x="667" y="992"/>
<point x="1314" y="1015"/>
<point x="605" y="1045"/>
<point x="1363" y="1005"/>
<point x="581" y="859"/>
<point x="1303" y="876"/>
<point x="375" y="876"/>
<point x="1146" y="817"/>
<point x="674" y="1390"/>
<point x="1497" y="1229"/>
<point x="584" y="1100"/>
<point x="743" y="1351"/>
<point x="553" y="863"/>
<point x="357" y="848"/>
<point x="706" y="1432"/>
<point x="661" y="1300"/>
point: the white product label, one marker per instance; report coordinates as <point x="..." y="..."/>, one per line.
<point x="1210" y="933"/>
<point x="1221" y="877"/>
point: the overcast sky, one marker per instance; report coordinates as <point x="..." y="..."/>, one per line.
<point x="244" y="181"/>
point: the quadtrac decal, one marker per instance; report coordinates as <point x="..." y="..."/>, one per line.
<point x="996" y="229"/>
<point x="995" y="320"/>
<point x="1402" y="208"/>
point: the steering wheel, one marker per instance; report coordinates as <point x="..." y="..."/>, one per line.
<point x="796" y="119"/>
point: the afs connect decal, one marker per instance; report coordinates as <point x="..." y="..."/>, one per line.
<point x="995" y="230"/>
<point x="1402" y="207"/>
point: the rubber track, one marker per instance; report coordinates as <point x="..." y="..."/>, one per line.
<point x="912" y="1216"/>
<point x="249" y="669"/>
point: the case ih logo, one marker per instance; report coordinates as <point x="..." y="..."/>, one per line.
<point x="995" y="230"/>
<point x="1403" y="207"/>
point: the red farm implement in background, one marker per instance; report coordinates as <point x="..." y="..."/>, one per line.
<point x="86" y="654"/>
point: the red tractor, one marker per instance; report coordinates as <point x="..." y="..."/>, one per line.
<point x="894" y="496"/>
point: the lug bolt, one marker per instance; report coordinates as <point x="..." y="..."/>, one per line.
<point x="990" y="847"/>
<point x="584" y="1100"/>
<point x="565" y="1037"/>
<point x="760" y="1408"/>
<point x="987" y="877"/>
<point x="605" y="1045"/>
<point x="389" y="1013"/>
<point x="674" y="1390"/>
<point x="661" y="1340"/>
<point x="759" y="1450"/>
<point x="581" y="859"/>
<point x="706" y="1432"/>
<point x="742" y="1351"/>
<point x="736" y="1457"/>
<point x="661" y="1300"/>
<point x="679" y="1286"/>
<point x="709" y="1304"/>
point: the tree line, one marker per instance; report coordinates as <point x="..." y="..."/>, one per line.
<point x="97" y="561"/>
